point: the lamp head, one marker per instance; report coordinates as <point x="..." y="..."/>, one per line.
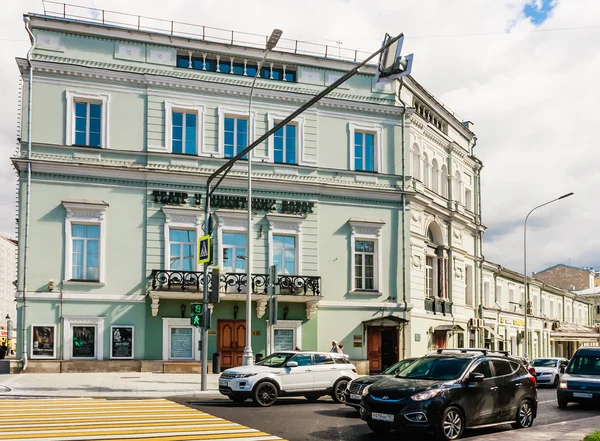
<point x="274" y="39"/>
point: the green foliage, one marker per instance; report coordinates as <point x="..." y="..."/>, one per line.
<point x="595" y="436"/>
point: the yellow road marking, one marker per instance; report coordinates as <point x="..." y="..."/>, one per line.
<point x="157" y="424"/>
<point x="90" y="419"/>
<point x="75" y="432"/>
<point x="201" y="437"/>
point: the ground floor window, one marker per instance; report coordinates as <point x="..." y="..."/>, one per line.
<point x="180" y="340"/>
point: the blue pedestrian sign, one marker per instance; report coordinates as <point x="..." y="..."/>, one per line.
<point x="204" y="249"/>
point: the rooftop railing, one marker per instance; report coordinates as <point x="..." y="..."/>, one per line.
<point x="194" y="31"/>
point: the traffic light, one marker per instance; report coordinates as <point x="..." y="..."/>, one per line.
<point x="273" y="310"/>
<point x="196" y="314"/>
<point x="215" y="292"/>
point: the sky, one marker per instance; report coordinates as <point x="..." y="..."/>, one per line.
<point x="525" y="72"/>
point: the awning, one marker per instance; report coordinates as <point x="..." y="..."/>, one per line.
<point x="379" y="321"/>
<point x="493" y="333"/>
<point x="447" y="328"/>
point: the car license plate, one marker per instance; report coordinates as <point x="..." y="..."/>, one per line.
<point x="355" y="397"/>
<point x="223" y="383"/>
<point x="582" y="395"/>
<point x="383" y="417"/>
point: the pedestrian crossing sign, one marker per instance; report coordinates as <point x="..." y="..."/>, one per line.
<point x="204" y="249"/>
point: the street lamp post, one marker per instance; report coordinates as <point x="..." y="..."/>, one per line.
<point x="526" y="337"/>
<point x="248" y="358"/>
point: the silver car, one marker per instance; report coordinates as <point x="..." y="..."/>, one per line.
<point x="547" y="370"/>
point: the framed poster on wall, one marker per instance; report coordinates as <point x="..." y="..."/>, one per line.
<point x="43" y="341"/>
<point x="84" y="342"/>
<point x="121" y="342"/>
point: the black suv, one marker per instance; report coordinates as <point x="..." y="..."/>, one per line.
<point x="450" y="390"/>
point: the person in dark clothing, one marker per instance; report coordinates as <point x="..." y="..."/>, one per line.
<point x="3" y="350"/>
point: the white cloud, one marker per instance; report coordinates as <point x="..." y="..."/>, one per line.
<point x="532" y="95"/>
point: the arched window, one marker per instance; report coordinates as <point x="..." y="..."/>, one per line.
<point x="416" y="162"/>
<point x="426" y="170"/>
<point x="457" y="196"/>
<point x="435" y="264"/>
<point x="444" y="191"/>
<point x="435" y="177"/>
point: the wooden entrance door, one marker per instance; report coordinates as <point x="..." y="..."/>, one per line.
<point x="439" y="340"/>
<point x="231" y="339"/>
<point x="382" y="346"/>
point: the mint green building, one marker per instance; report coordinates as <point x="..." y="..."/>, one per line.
<point x="128" y="122"/>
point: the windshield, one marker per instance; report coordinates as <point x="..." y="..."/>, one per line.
<point x="544" y="362"/>
<point x="278" y="359"/>
<point x="397" y="367"/>
<point x="435" y="368"/>
<point x="584" y="364"/>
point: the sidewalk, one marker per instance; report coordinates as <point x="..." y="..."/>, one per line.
<point x="105" y="385"/>
<point x="574" y="430"/>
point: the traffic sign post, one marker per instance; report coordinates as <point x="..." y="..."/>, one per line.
<point x="204" y="249"/>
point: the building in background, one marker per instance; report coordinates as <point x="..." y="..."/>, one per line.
<point x="8" y="277"/>
<point x="567" y="277"/>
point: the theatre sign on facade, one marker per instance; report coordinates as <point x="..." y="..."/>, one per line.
<point x="126" y="126"/>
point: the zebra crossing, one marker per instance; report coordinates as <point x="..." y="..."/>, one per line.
<point x="104" y="419"/>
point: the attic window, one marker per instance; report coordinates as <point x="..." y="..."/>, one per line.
<point x="237" y="66"/>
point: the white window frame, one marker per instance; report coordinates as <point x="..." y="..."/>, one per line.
<point x="84" y="213"/>
<point x="487" y="293"/>
<point x="273" y="119"/>
<point x="198" y="109"/>
<point x="375" y="129"/>
<point x="433" y="258"/>
<point x="286" y="225"/>
<point x="229" y="221"/>
<point x="225" y="112"/>
<point x="96" y="98"/>
<point x="54" y="349"/>
<point x="178" y="218"/>
<point x="132" y="342"/>
<point x="69" y="322"/>
<point x="362" y="229"/>
<point x="294" y="325"/>
<point x="169" y="323"/>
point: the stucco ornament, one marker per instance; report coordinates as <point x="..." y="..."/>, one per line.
<point x="416" y="260"/>
<point x="261" y="306"/>
<point x="416" y="215"/>
<point x="458" y="272"/>
<point x="155" y="300"/>
<point x="311" y="309"/>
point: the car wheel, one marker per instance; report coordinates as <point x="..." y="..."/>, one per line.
<point x="452" y="424"/>
<point x="562" y="404"/>
<point x="524" y="415"/>
<point x="338" y="391"/>
<point x="237" y="399"/>
<point x="312" y="398"/>
<point x="264" y="394"/>
<point x="379" y="427"/>
<point x="556" y="380"/>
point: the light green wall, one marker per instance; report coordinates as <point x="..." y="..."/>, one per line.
<point x="124" y="220"/>
<point x="126" y="114"/>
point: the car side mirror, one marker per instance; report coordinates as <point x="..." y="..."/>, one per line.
<point x="476" y="377"/>
<point x="562" y="369"/>
<point x="291" y="364"/>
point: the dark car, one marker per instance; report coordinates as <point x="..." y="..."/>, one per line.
<point x="580" y="381"/>
<point x="356" y="386"/>
<point x="449" y="391"/>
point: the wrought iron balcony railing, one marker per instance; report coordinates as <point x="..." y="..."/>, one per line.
<point x="168" y="280"/>
<point x="438" y="306"/>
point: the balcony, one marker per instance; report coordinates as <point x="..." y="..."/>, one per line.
<point x="234" y="283"/>
<point x="189" y="285"/>
<point x="438" y="306"/>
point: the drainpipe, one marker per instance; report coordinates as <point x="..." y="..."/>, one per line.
<point x="403" y="214"/>
<point x="28" y="196"/>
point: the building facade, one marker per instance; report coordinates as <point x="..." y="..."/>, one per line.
<point x="368" y="203"/>
<point x="8" y="276"/>
<point x="567" y="277"/>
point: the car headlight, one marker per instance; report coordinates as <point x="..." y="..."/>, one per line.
<point x="365" y="391"/>
<point x="244" y="375"/>
<point x="428" y="394"/>
<point x="562" y="385"/>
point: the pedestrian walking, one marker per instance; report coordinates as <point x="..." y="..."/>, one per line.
<point x="341" y="348"/>
<point x="334" y="347"/>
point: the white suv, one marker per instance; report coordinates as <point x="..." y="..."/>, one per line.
<point x="289" y="373"/>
